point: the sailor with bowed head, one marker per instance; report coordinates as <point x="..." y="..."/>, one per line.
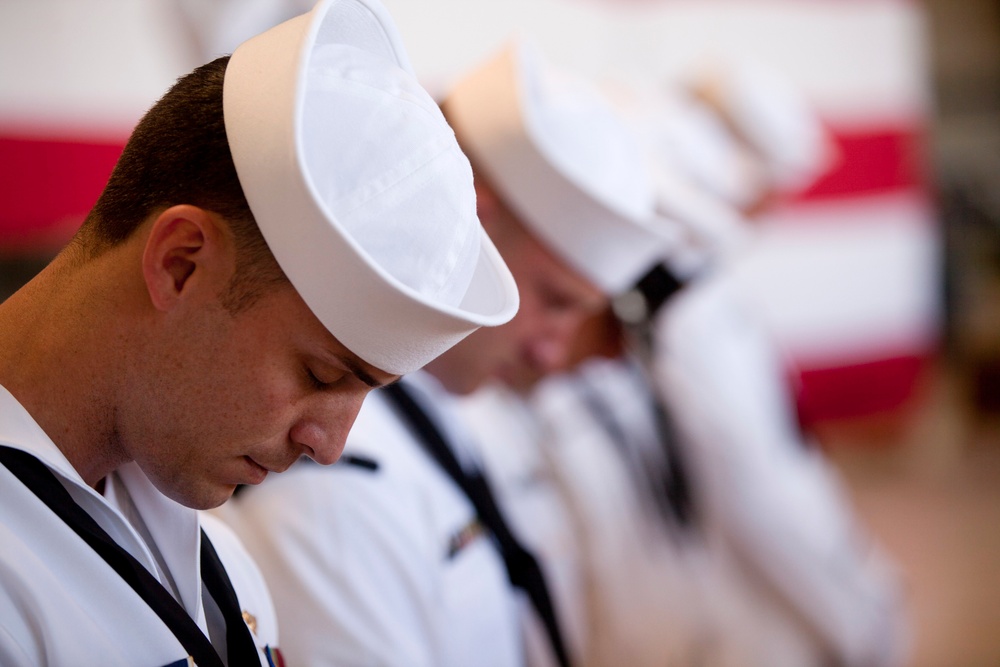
<point x="717" y="531"/>
<point x="287" y="229"/>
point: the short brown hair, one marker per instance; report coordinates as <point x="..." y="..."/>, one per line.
<point x="179" y="154"/>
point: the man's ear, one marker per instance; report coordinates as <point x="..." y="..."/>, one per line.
<point x="187" y="254"/>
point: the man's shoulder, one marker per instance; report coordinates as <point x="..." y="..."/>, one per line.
<point x="59" y="598"/>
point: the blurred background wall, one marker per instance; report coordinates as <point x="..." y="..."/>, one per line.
<point x="851" y="274"/>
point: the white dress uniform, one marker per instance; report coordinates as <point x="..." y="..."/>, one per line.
<point x="635" y="587"/>
<point x="648" y="574"/>
<point x="507" y="436"/>
<point x="798" y="582"/>
<point x="380" y="559"/>
<point x="62" y="604"/>
<point x="811" y="584"/>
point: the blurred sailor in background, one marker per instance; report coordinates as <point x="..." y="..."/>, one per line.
<point x="401" y="555"/>
<point x="817" y="590"/>
<point x="710" y="528"/>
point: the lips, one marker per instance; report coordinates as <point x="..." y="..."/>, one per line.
<point x="257" y="472"/>
<point x="262" y="470"/>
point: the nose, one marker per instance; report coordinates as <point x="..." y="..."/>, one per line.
<point x="321" y="431"/>
<point x="549" y="350"/>
<point x="546" y="355"/>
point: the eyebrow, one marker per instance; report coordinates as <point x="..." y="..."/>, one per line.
<point x="363" y="375"/>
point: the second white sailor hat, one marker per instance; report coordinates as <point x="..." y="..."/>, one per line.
<point x="560" y="157"/>
<point x="359" y="187"/>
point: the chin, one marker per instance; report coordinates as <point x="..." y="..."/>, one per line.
<point x="520" y="380"/>
<point x="523" y="386"/>
<point x="460" y="384"/>
<point x="205" y="498"/>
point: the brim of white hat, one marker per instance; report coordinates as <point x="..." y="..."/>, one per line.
<point x="704" y="219"/>
<point x="775" y="118"/>
<point x="602" y="244"/>
<point x="380" y="319"/>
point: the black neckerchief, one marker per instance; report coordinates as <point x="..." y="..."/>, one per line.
<point x="523" y="569"/>
<point x="240" y="644"/>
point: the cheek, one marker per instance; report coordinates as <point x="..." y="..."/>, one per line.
<point x="271" y="400"/>
<point x="479" y="349"/>
<point x="254" y="405"/>
<point x="533" y="319"/>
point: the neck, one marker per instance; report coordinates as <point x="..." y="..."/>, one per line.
<point x="61" y="357"/>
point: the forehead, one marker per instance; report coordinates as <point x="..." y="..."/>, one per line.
<point x="540" y="268"/>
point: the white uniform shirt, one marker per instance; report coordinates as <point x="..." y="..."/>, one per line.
<point x="631" y="589"/>
<point x="809" y="580"/>
<point x="647" y="576"/>
<point x="62" y="604"/>
<point x="507" y="436"/>
<point x="383" y="566"/>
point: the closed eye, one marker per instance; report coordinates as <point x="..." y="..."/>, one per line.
<point x="324" y="382"/>
<point x="556" y="301"/>
<point x="314" y="381"/>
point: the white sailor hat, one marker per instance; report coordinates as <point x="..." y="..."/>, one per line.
<point x="696" y="173"/>
<point x="562" y="160"/>
<point x="359" y="187"/>
<point x="772" y="116"/>
<point x="701" y="229"/>
<point x="700" y="146"/>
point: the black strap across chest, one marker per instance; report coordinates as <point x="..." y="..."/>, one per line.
<point x="523" y="569"/>
<point x="667" y="481"/>
<point x="240" y="644"/>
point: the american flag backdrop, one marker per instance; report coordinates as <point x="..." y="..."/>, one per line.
<point x="846" y="273"/>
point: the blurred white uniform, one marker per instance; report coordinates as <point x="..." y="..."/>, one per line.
<point x="382" y="564"/>
<point x="629" y="585"/>
<point x="803" y="581"/>
<point x="525" y="482"/>
<point x="814" y="588"/>
<point x="774" y="572"/>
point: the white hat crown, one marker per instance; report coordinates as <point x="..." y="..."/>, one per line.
<point x="774" y="117"/>
<point x="562" y="160"/>
<point x="359" y="187"/>
<point x="697" y="172"/>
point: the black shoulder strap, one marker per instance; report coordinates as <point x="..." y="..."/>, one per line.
<point x="43" y="483"/>
<point x="667" y="480"/>
<point x="656" y="288"/>
<point x="649" y="294"/>
<point x="522" y="567"/>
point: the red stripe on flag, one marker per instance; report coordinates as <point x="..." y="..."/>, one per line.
<point x="873" y="161"/>
<point x="859" y="390"/>
<point x="48" y="186"/>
